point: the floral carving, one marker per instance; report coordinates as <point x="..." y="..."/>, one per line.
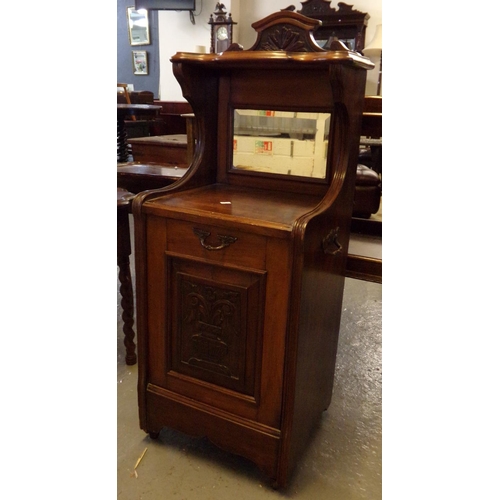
<point x="211" y="323"/>
<point x="285" y="39"/>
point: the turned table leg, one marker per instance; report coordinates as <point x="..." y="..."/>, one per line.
<point x="121" y="141"/>
<point x="126" y="289"/>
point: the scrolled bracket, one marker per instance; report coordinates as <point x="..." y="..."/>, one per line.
<point x="330" y="244"/>
<point x="225" y="240"/>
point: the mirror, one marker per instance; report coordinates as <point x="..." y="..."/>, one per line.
<point x="281" y="142"/>
<point x="138" y="26"/>
<point x="350" y="43"/>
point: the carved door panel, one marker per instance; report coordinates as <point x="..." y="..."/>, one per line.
<point x="213" y="326"/>
<point x="214" y="338"/>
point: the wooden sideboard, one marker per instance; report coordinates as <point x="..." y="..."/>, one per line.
<point x="161" y="149"/>
<point x="240" y="272"/>
<point x="172" y="118"/>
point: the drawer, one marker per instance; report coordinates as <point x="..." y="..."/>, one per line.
<point x="217" y="244"/>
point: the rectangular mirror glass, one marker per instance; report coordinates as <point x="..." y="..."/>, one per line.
<point x="138" y="26"/>
<point x="281" y="142"/>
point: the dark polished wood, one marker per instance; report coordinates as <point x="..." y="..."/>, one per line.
<point x="172" y="118"/>
<point x="141" y="177"/>
<point x="371" y="128"/>
<point x="361" y="266"/>
<point x="123" y="246"/>
<point x="344" y="23"/>
<point x="191" y="136"/>
<point x="127" y="110"/>
<point x="364" y="268"/>
<point x="160" y="149"/>
<point x="372" y="117"/>
<point x="240" y="274"/>
<point x="136" y="97"/>
<point x="134" y="178"/>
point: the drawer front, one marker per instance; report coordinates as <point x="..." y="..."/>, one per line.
<point x="217" y="244"/>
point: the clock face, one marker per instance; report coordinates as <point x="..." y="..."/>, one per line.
<point x="222" y="33"/>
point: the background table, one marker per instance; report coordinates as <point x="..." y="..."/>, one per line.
<point x="123" y="111"/>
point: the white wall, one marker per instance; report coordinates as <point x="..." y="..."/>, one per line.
<point x="177" y="34"/>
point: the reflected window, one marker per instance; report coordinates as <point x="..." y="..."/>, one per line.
<point x="281" y="142"/>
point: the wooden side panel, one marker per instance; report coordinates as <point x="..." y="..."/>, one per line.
<point x="319" y="270"/>
<point x="155" y="331"/>
<point x="278" y="265"/>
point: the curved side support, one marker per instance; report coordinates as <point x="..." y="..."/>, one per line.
<point x="200" y="87"/>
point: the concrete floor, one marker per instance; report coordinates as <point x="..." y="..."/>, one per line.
<point x="343" y="461"/>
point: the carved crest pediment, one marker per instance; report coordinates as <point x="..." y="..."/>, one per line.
<point x="287" y="31"/>
<point x="322" y="7"/>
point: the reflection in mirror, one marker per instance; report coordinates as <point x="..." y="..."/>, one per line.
<point x="138" y="26"/>
<point x="281" y="142"/>
<point x="325" y="43"/>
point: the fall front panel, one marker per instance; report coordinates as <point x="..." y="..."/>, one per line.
<point x="214" y="318"/>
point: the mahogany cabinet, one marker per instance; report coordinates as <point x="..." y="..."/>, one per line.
<point x="240" y="270"/>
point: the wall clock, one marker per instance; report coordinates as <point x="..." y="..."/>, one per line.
<point x="221" y="28"/>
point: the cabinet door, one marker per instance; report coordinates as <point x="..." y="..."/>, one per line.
<point x="217" y="319"/>
<point x="214" y="321"/>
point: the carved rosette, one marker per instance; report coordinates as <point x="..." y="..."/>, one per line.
<point x="287" y="39"/>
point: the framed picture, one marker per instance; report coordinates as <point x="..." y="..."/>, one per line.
<point x="140" y="62"/>
<point x="138" y="26"/>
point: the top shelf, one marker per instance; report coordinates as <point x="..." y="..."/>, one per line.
<point x="244" y="58"/>
<point x="284" y="39"/>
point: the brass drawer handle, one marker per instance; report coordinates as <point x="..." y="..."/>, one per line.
<point x="331" y="245"/>
<point x="224" y="240"/>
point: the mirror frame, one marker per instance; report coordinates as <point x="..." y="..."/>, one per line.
<point x="130" y="22"/>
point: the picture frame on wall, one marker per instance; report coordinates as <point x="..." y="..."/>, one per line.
<point x="138" y="26"/>
<point x="140" y="62"/>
